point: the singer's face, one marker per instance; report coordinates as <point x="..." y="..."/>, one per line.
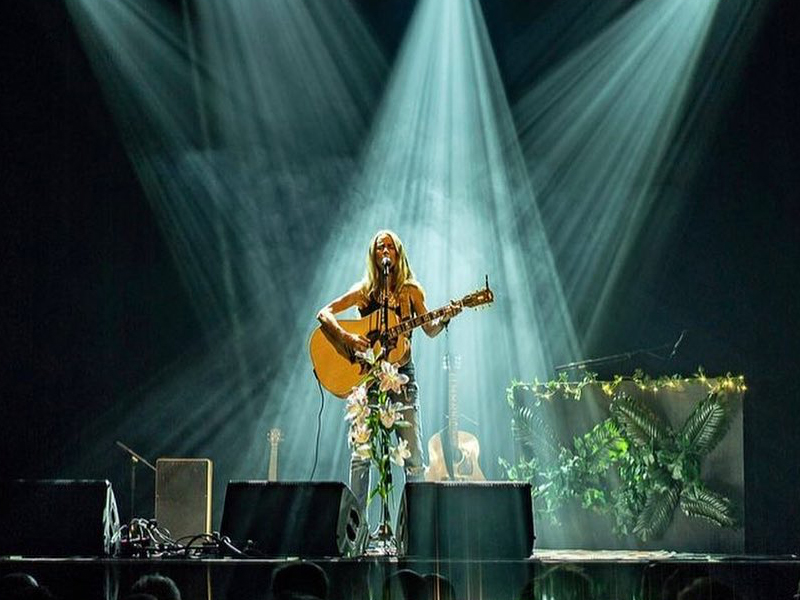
<point x="384" y="247"/>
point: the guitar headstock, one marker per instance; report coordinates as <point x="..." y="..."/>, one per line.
<point x="478" y="298"/>
<point x="275" y="436"/>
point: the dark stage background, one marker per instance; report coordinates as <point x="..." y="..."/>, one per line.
<point x="92" y="304"/>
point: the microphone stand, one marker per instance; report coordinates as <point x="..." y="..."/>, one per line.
<point x="384" y="533"/>
<point x="383" y="328"/>
<point x="135" y="460"/>
<point x="598" y="362"/>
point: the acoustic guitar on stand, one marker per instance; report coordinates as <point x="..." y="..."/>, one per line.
<point x="339" y="370"/>
<point x="453" y="454"/>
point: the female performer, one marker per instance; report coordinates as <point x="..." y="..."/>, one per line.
<point x="406" y="298"/>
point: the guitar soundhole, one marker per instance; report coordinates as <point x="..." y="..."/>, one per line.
<point x="464" y="470"/>
<point x="463" y="467"/>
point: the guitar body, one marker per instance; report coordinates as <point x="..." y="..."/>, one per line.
<point x="337" y="369"/>
<point x="465" y="461"/>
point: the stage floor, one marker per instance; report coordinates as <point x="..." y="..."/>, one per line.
<point x="547" y="575"/>
<point x="651" y="556"/>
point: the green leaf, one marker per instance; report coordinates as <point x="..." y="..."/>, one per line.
<point x="708" y="424"/>
<point x="640" y="424"/>
<point x="522" y="471"/>
<point x="701" y="502"/>
<point x="600" y="447"/>
<point x="532" y="431"/>
<point x="656" y="516"/>
<point x="593" y="498"/>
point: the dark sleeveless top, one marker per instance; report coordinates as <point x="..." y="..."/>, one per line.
<point x="373" y="304"/>
<point x="408" y="368"/>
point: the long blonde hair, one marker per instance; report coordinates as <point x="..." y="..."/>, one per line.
<point x="403" y="273"/>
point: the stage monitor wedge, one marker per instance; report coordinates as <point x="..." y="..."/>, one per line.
<point x="58" y="518"/>
<point x="293" y="519"/>
<point x="459" y="520"/>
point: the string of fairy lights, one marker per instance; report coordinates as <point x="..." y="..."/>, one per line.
<point x="562" y="387"/>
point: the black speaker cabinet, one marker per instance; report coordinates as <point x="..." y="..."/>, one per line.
<point x="57" y="518"/>
<point x="183" y="496"/>
<point x="283" y="518"/>
<point x="487" y="520"/>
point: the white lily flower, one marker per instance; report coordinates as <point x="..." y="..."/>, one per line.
<point x="400" y="453"/>
<point x="359" y="394"/>
<point x="390" y="378"/>
<point x="367" y="356"/>
<point x="391" y="414"/>
<point x="357" y="408"/>
<point x="356" y="413"/>
<point x="363" y="451"/>
<point x="359" y="434"/>
<point x="388" y="416"/>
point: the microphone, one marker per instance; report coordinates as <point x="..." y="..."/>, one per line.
<point x="386" y="263"/>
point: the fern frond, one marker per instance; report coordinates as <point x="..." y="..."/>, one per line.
<point x="703" y="503"/>
<point x="638" y="422"/>
<point x="656" y="515"/>
<point x="601" y="435"/>
<point x="602" y="445"/>
<point x="533" y="432"/>
<point x="708" y="424"/>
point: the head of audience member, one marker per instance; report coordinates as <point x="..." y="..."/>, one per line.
<point x="439" y="588"/>
<point x="22" y="586"/>
<point x="140" y="596"/>
<point x="703" y="588"/>
<point x="666" y="581"/>
<point x="565" y="582"/>
<point x="160" y="586"/>
<point x="14" y="582"/>
<point x="298" y="580"/>
<point x="405" y="584"/>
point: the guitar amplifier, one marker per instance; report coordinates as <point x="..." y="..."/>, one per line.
<point x="183" y="496"/>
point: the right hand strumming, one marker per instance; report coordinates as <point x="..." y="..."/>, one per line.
<point x="357" y="342"/>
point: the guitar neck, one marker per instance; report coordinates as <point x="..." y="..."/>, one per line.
<point x="413" y="323"/>
<point x="452" y="408"/>
<point x="273" y="462"/>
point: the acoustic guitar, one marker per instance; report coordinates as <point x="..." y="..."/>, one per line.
<point x="453" y="454"/>
<point x="339" y="370"/>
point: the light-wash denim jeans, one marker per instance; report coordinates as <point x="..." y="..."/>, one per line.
<point x="414" y="465"/>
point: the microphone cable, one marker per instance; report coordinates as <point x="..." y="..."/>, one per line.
<point x="319" y="426"/>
